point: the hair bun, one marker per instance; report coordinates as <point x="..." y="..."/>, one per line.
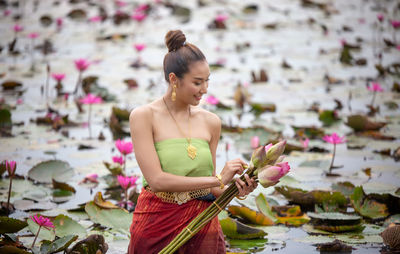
<point x="174" y="40"/>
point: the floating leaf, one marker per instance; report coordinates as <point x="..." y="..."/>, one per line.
<point x="29" y="205"/>
<point x="236" y="230"/>
<point x="119" y="219"/>
<point x="114" y="168"/>
<point x="334" y="219"/>
<point x="57" y="245"/>
<point x="99" y="201"/>
<point x="250" y="215"/>
<point x="63" y="186"/>
<point x="328" y="117"/>
<point x="45" y="171"/>
<point x="13" y="250"/>
<point x="346" y="188"/>
<point x="10" y="85"/>
<point x="392" y="219"/>
<point x="61" y="196"/>
<point x="94" y="244"/>
<point x="10" y="225"/>
<point x="259" y="108"/>
<point x="362" y="123"/>
<point x="290" y="215"/>
<point x="367" y="207"/>
<point x="264" y="208"/>
<point x="65" y="226"/>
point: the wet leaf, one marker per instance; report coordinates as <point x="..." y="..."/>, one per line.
<point x="29" y="205"/>
<point x="63" y="186"/>
<point x="46" y="20"/>
<point x="334" y="247"/>
<point x="328" y="117"/>
<point x="236" y="230"/>
<point x="118" y="219"/>
<point x="251" y="245"/>
<point x="10" y="225"/>
<point x="13" y="250"/>
<point x="94" y="244"/>
<point x="2" y="168"/>
<point x="367" y="207"/>
<point x="375" y="135"/>
<point x="346" y="188"/>
<point x="57" y="245"/>
<point x="250" y="215"/>
<point x="362" y="123"/>
<point x="392" y="219"/>
<point x="345" y="56"/>
<point x="10" y="85"/>
<point x="65" y="226"/>
<point x="45" y="171"/>
<point x="311" y="132"/>
<point x="259" y="108"/>
<point x="264" y="208"/>
<point x="77" y="14"/>
<point x="290" y="215"/>
<point x="99" y="201"/>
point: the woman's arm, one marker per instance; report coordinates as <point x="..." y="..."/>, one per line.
<point x="140" y="121"/>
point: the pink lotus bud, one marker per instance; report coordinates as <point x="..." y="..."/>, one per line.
<point x="221" y="17"/>
<point x="304" y="142"/>
<point x="95" y="19"/>
<point x="7" y="12"/>
<point x="398" y="47"/>
<point x="139" y="46"/>
<point x="212" y="100"/>
<point x="10" y="167"/>
<point x="17" y="28"/>
<point x="380" y="17"/>
<point x="255" y="142"/>
<point x="343" y="42"/>
<point x="19" y="101"/>
<point x="91" y="177"/>
<point x="139" y="16"/>
<point x="227" y="146"/>
<point x="270" y="175"/>
<point x="66" y="95"/>
<point x="124" y="147"/>
<point x="267" y="155"/>
<point x="246" y="84"/>
<point x="59" y="22"/>
<point x="395" y="23"/>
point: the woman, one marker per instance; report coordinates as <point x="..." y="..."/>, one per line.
<point x="175" y="145"/>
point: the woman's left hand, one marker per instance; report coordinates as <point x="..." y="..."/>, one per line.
<point x="245" y="187"/>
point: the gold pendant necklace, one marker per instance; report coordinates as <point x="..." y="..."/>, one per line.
<point x="191" y="149"/>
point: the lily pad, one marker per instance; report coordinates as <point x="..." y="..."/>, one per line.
<point x="63" y="186"/>
<point x="46" y="171"/>
<point x="61" y="196"/>
<point x="367" y="207"/>
<point x="253" y="244"/>
<point x="119" y="219"/>
<point x="29" y="205"/>
<point x="290" y="215"/>
<point x="264" y="208"/>
<point x="346" y="188"/>
<point x="250" y="215"/>
<point x="236" y="230"/>
<point x="57" y="245"/>
<point x="65" y="226"/>
<point x="334" y="218"/>
<point x="10" y="225"/>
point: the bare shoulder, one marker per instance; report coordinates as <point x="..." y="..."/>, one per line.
<point x="141" y="113"/>
<point x="212" y="120"/>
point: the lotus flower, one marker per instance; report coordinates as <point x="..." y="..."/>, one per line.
<point x="91" y="99"/>
<point x="395" y="23"/>
<point x="267" y="155"/>
<point x="270" y="175"/>
<point x="81" y="64"/>
<point x="212" y="100"/>
<point x="42" y="222"/>
<point x="255" y="142"/>
<point x="18" y="28"/>
<point x="124" y="181"/>
<point x="7" y="12"/>
<point x="304" y="142"/>
<point x="221" y="17"/>
<point x="58" y="76"/>
<point x="118" y="159"/>
<point x="375" y="87"/>
<point x="95" y="19"/>
<point x="124" y="147"/>
<point x="33" y="35"/>
<point x="333" y="139"/>
<point x="380" y="17"/>
<point x="139" y="46"/>
<point x="139" y="16"/>
<point x="59" y="23"/>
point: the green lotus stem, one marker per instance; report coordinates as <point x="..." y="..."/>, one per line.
<point x="9" y="194"/>
<point x="204" y="217"/>
<point x="333" y="158"/>
<point x="36" y="236"/>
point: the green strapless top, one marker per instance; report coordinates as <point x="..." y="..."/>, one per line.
<point x="174" y="159"/>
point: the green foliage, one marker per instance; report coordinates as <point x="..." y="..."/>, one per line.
<point x="11" y="225"/>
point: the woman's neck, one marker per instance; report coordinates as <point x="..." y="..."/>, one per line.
<point x="177" y="106"/>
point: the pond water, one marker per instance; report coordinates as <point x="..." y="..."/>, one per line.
<point x="306" y="37"/>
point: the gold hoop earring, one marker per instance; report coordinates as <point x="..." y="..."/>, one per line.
<point x="173" y="95"/>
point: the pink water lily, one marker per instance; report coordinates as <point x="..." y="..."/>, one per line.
<point x="334" y="139"/>
<point x="398" y="47"/>
<point x="10" y="167"/>
<point x="58" y="76"/>
<point x="91" y="99"/>
<point x="126" y="181"/>
<point x="270" y="175"/>
<point x="380" y="17"/>
<point x="118" y="159"/>
<point x="304" y="142"/>
<point x="59" y="22"/>
<point x="212" y="100"/>
<point x="139" y="16"/>
<point x="33" y="35"/>
<point x="81" y="64"/>
<point x="7" y="12"/>
<point x="221" y="17"/>
<point x="375" y="87"/>
<point x="18" y="28"/>
<point x="42" y="222"/>
<point x="139" y="46"/>
<point x="95" y="19"/>
<point x="255" y="142"/>
<point x="124" y="147"/>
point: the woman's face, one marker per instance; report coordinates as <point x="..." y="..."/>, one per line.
<point x="194" y="83"/>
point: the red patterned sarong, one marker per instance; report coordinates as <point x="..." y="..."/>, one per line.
<point x="156" y="223"/>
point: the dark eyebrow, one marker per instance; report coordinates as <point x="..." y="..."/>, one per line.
<point x="202" y="78"/>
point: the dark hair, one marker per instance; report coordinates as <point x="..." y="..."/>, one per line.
<point x="180" y="54"/>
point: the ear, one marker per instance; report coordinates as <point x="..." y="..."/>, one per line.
<point x="173" y="79"/>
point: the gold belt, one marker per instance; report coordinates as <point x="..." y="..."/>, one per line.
<point x="179" y="197"/>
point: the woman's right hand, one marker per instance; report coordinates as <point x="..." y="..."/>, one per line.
<point x="231" y="168"/>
